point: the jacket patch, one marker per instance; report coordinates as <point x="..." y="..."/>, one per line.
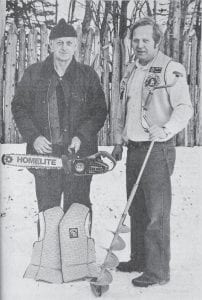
<point x="151" y="81"/>
<point x="73" y="233"/>
<point x="155" y="69"/>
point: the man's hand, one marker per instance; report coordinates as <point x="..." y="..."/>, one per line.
<point x="157" y="133"/>
<point x="42" y="145"/>
<point x="117" y="152"/>
<point x="75" y="144"/>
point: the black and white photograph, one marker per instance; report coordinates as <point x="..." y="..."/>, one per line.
<point x="101" y="149"/>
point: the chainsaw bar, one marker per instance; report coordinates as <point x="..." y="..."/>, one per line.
<point x="32" y="161"/>
<point x="90" y="165"/>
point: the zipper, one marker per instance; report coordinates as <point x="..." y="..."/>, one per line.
<point x="49" y="112"/>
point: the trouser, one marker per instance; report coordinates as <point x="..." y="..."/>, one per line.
<point x="50" y="184"/>
<point x="150" y="209"/>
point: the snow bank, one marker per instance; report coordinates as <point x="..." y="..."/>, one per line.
<point x="18" y="232"/>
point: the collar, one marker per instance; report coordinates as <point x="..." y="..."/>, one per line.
<point x="147" y="66"/>
<point x="142" y="67"/>
<point x="48" y="70"/>
<point x="71" y="69"/>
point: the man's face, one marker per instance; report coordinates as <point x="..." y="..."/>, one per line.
<point x="63" y="48"/>
<point x="143" y="44"/>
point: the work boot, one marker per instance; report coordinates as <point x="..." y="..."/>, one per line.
<point x="130" y="266"/>
<point x="146" y="280"/>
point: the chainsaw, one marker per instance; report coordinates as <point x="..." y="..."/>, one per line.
<point x="98" y="163"/>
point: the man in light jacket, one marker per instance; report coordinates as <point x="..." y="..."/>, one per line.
<point x="147" y="113"/>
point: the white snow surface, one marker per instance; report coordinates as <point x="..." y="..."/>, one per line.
<point x="18" y="232"/>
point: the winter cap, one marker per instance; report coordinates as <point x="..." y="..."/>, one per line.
<point x="62" y="29"/>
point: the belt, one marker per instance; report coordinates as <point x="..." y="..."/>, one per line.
<point x="146" y="144"/>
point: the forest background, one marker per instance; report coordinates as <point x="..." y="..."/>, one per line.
<point x="103" y="35"/>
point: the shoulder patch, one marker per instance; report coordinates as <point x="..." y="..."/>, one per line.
<point x="155" y="69"/>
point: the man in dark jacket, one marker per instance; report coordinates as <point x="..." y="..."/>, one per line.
<point x="59" y="106"/>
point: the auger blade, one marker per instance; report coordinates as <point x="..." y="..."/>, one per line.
<point x="98" y="290"/>
<point x="111" y="261"/>
<point x="118" y="244"/>
<point x="124" y="229"/>
<point x="105" y="278"/>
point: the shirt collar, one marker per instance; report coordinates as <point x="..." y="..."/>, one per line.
<point x="147" y="66"/>
<point x="141" y="67"/>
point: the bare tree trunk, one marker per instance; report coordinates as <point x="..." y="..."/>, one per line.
<point x="69" y="3"/>
<point x="176" y="29"/>
<point x="155" y="10"/>
<point x="95" y="61"/>
<point x="32" y="46"/>
<point x="184" y="8"/>
<point x="115" y="17"/>
<point x="149" y="12"/>
<point x="79" y="55"/>
<point x="2" y="17"/>
<point x="106" y="70"/>
<point x="10" y="70"/>
<point x="16" y="17"/>
<point x="182" y="138"/>
<point x="166" y="42"/>
<point x="169" y="30"/>
<point x="199" y="78"/>
<point x="21" y="67"/>
<point x="56" y="11"/>
<point x="98" y="14"/>
<point x="87" y="17"/>
<point x="115" y="87"/>
<point x="104" y="24"/>
<point x="22" y="53"/>
<point x="199" y="140"/>
<point x="72" y="10"/>
<point x="44" y="42"/>
<point x="123" y="19"/>
<point x="2" y="30"/>
<point x="193" y="76"/>
<point x="88" y="47"/>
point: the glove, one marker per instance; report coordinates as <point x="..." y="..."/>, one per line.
<point x="117" y="152"/>
<point x="75" y="145"/>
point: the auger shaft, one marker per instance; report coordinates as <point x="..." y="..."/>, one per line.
<point x="130" y="199"/>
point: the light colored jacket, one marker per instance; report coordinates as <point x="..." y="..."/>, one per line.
<point x="168" y="107"/>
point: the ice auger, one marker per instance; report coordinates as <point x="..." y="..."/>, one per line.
<point x="100" y="284"/>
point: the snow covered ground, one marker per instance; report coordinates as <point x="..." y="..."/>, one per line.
<point x="18" y="232"/>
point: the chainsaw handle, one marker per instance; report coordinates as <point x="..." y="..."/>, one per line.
<point x="3" y="159"/>
<point x="107" y="155"/>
